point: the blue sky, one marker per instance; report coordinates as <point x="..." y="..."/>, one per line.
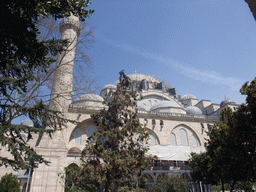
<point x="204" y="48"/>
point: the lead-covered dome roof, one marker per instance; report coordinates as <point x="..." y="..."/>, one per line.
<point x="193" y="110"/>
<point x="188" y="96"/>
<point x="165" y="104"/>
<point x="88" y="97"/>
<point x="140" y="77"/>
<point x="109" y="86"/>
<point x="226" y="101"/>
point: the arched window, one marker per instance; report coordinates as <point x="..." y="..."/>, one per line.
<point x="152" y="139"/>
<point x="194" y="140"/>
<point x="150" y="103"/>
<point x="173" y="139"/>
<point x="77" y="136"/>
<point x="183" y="137"/>
<point x="90" y="131"/>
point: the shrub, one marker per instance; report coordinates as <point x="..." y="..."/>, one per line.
<point x="9" y="183"/>
<point x="172" y="184"/>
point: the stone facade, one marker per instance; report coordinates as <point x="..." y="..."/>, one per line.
<point x="174" y="122"/>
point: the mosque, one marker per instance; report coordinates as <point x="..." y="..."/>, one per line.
<point x="177" y="124"/>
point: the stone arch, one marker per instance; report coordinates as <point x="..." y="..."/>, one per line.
<point x="153" y="135"/>
<point x="73" y="165"/>
<point x="195" y="140"/>
<point x="74" y="152"/>
<point x="82" y="131"/>
<point x="161" y="176"/>
<point x="70" y="179"/>
<point x="146" y="180"/>
<point x="187" y="128"/>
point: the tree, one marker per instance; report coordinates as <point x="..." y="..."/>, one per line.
<point x="172" y="184"/>
<point x="115" y="154"/>
<point x="252" y="6"/>
<point x="23" y="59"/>
<point x="242" y="125"/>
<point x="9" y="183"/>
<point x="219" y="163"/>
<point x="230" y="150"/>
<point x="200" y="169"/>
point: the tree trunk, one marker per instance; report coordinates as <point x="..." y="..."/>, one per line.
<point x="232" y="186"/>
<point x="222" y="185"/>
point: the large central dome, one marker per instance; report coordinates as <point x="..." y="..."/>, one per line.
<point x="140" y="77"/>
<point x="144" y="81"/>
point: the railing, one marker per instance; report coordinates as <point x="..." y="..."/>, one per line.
<point x="215" y="118"/>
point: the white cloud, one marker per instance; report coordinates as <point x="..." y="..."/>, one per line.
<point x="206" y="76"/>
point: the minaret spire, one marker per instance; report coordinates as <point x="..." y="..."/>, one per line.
<point x="62" y="87"/>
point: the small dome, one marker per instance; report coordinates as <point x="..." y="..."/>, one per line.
<point x="188" y="96"/>
<point x="193" y="110"/>
<point x="226" y="101"/>
<point x="165" y="104"/>
<point x="88" y="97"/>
<point x="109" y="86"/>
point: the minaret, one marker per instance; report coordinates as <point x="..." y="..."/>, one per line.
<point x="62" y="86"/>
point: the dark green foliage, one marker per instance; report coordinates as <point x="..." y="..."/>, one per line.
<point x="199" y="164"/>
<point x="172" y="184"/>
<point x="74" y="180"/>
<point x="9" y="183"/>
<point x="244" y="185"/>
<point x="126" y="189"/>
<point x="230" y="151"/>
<point x="252" y="5"/>
<point x="115" y="155"/>
<point x="23" y="58"/>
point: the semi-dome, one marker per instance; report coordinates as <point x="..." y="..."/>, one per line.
<point x="226" y="101"/>
<point x="193" y="110"/>
<point x="140" y="106"/>
<point x="165" y="104"/>
<point x="188" y="96"/>
<point x="27" y="122"/>
<point x="106" y="89"/>
<point x="88" y="97"/>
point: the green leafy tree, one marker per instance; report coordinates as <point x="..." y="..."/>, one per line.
<point x="219" y="163"/>
<point x="172" y="184"/>
<point x="23" y="58"/>
<point x="200" y="169"/>
<point x="9" y="183"/>
<point x="115" y="154"/>
<point x="230" y="149"/>
<point x="242" y="125"/>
